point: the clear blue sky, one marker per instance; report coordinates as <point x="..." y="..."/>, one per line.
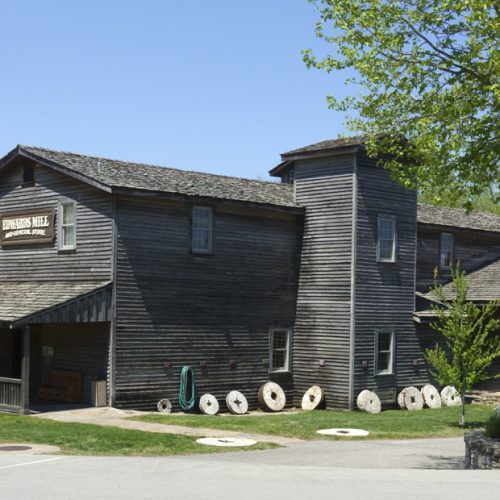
<point x="217" y="86"/>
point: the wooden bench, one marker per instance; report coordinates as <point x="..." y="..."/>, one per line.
<point x="62" y="386"/>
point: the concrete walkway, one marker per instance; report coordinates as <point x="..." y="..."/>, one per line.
<point x="112" y="417"/>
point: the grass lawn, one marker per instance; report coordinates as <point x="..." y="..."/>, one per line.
<point x="84" y="439"/>
<point x="391" y="424"/>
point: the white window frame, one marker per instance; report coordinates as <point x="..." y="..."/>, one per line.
<point x="392" y="220"/>
<point x="451" y="239"/>
<point x="390" y="369"/>
<point x="287" y="349"/>
<point x="210" y="229"/>
<point x="61" y="226"/>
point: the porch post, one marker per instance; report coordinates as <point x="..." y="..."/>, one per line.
<point x="25" y="370"/>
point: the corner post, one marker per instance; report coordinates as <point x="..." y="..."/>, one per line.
<point x="25" y="369"/>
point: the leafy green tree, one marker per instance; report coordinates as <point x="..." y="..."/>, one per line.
<point x="486" y="202"/>
<point x="428" y="75"/>
<point x="471" y="335"/>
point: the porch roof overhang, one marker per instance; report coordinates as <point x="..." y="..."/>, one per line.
<point x="28" y="302"/>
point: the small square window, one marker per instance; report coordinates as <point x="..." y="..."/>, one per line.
<point x="202" y="229"/>
<point x="279" y="349"/>
<point x="384" y="352"/>
<point x="386" y="239"/>
<point x="446" y="251"/>
<point x="67" y="225"/>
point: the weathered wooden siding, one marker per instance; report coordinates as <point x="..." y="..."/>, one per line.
<point x="322" y="325"/>
<point x="77" y="347"/>
<point x="92" y="258"/>
<point x="175" y="308"/>
<point x="473" y="249"/>
<point x="385" y="292"/>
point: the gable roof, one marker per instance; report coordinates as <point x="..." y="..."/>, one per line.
<point x="484" y="284"/>
<point x="457" y="217"/>
<point x="115" y="175"/>
<point x="328" y="145"/>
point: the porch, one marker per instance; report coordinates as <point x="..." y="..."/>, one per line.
<point x="48" y="328"/>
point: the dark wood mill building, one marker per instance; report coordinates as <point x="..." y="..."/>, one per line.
<point x="123" y="273"/>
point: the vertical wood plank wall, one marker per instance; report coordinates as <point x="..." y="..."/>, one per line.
<point x="322" y="325"/>
<point x="92" y="258"/>
<point x="385" y="292"/>
<point x="176" y="308"/>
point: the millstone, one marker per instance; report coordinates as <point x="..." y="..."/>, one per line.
<point x="368" y="401"/>
<point x="413" y="399"/>
<point x="226" y="441"/>
<point x="401" y="400"/>
<point x="209" y="404"/>
<point x="450" y="396"/>
<point x="164" y="406"/>
<point x="236" y="403"/>
<point x="271" y="397"/>
<point x="431" y="396"/>
<point x="312" y="398"/>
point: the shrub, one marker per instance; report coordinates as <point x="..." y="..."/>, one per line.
<point x="493" y="426"/>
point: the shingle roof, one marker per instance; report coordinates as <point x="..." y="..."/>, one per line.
<point x="328" y="145"/>
<point x="484" y="284"/>
<point x="457" y="217"/>
<point x="19" y="299"/>
<point x="121" y="174"/>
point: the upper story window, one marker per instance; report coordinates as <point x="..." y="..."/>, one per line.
<point x="386" y="240"/>
<point x="289" y="176"/>
<point x="28" y="175"/>
<point x="384" y="352"/>
<point x="446" y="251"/>
<point x="279" y="349"/>
<point x="67" y="225"/>
<point x="202" y="229"/>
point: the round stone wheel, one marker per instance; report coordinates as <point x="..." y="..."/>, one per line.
<point x="431" y="396"/>
<point x="401" y="400"/>
<point x="271" y="397"/>
<point x="368" y="401"/>
<point x="164" y="406"/>
<point x="236" y="403"/>
<point x="226" y="441"/>
<point x="413" y="399"/>
<point x="208" y="404"/>
<point x="312" y="398"/>
<point x="450" y="396"/>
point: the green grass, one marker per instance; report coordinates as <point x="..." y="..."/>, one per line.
<point x="85" y="439"/>
<point x="391" y="424"/>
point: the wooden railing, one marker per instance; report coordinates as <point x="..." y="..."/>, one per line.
<point x="10" y="394"/>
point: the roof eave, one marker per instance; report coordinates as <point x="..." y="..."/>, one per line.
<point x="146" y="193"/>
<point x="289" y="159"/>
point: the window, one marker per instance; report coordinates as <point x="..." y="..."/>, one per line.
<point x="67" y="225"/>
<point x="386" y="241"/>
<point x="202" y="230"/>
<point x="446" y="251"/>
<point x="28" y="175"/>
<point x="384" y="352"/>
<point x="279" y="349"/>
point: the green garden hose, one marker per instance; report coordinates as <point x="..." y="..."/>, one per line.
<point x="187" y="389"/>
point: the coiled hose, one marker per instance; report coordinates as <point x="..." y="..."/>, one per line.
<point x="187" y="389"/>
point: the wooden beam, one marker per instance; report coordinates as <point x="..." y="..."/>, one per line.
<point x="25" y="369"/>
